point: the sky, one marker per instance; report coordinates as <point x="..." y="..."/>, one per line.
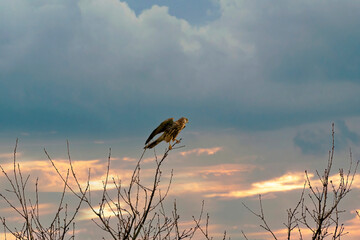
<point x="261" y="82"/>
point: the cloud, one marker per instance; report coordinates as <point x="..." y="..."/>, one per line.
<point x="224" y="169"/>
<point x="200" y="151"/>
<point x="346" y="135"/>
<point x="318" y="141"/>
<point x="313" y="141"/>
<point x="210" y="179"/>
<point x="50" y="182"/>
<point x="130" y="159"/>
<point x="7" y="236"/>
<point x="88" y="214"/>
<point x="45" y="209"/>
<point x="95" y="66"/>
<point x="9" y="155"/>
<point x="351" y="226"/>
<point x="220" y="169"/>
<point x="200" y="13"/>
<point x="287" y="182"/>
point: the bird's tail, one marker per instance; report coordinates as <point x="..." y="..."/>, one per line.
<point x="153" y="144"/>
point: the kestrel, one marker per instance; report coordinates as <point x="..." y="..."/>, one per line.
<point x="170" y="128"/>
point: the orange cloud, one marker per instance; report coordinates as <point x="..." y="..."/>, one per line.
<point x="287" y="182"/>
<point x="50" y="181"/>
<point x="44" y="209"/>
<point x="356" y="183"/>
<point x="88" y="214"/>
<point x="279" y="233"/>
<point x="8" y="236"/>
<point x="214" y="170"/>
<point x="351" y="226"/>
<point x="200" y="151"/>
<point x="224" y="169"/>
<point x="210" y="179"/>
<point x="129" y="159"/>
<point x="132" y="159"/>
<point x="9" y="155"/>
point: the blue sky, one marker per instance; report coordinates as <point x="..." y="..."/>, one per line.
<point x="261" y="80"/>
<point x="201" y="13"/>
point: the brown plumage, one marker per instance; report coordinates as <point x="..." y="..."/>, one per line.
<point x="170" y="128"/>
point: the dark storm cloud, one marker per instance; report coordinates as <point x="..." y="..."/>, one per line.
<point x="96" y="66"/>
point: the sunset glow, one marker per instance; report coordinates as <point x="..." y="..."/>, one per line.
<point x="200" y="151"/>
<point x="284" y="183"/>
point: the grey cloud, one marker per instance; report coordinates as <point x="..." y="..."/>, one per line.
<point x="319" y="141"/>
<point x="97" y="66"/>
<point x="312" y="142"/>
<point x="307" y="41"/>
<point x="348" y="135"/>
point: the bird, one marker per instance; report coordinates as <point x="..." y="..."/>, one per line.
<point x="170" y="131"/>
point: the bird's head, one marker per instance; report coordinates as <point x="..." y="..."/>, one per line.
<point x="183" y="120"/>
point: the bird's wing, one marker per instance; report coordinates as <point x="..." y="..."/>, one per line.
<point x="161" y="128"/>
